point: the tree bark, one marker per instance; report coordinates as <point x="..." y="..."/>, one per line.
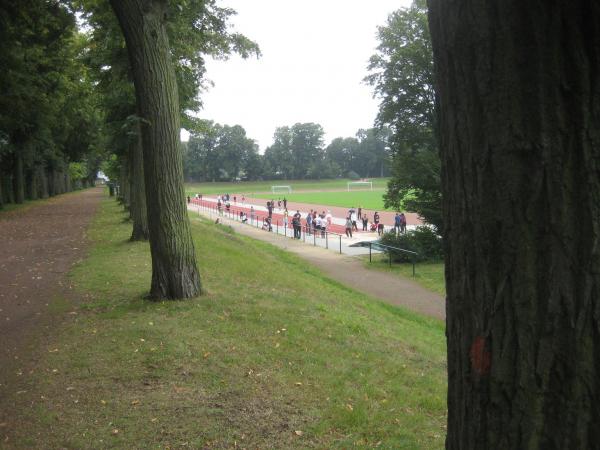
<point x="124" y="182"/>
<point x="139" y="213"/>
<point x="174" y="270"/>
<point x="519" y="109"/>
<point x="19" y="178"/>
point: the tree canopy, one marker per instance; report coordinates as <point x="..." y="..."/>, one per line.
<point x="402" y="77"/>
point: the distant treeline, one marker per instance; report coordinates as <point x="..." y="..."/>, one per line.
<point x="225" y="153"/>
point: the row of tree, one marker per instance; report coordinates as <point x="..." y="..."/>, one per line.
<point x="223" y="152"/>
<point x="50" y="129"/>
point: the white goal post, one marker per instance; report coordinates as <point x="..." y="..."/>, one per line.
<point x="368" y="184"/>
<point x="276" y="189"/>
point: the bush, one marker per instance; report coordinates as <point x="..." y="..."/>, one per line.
<point x="422" y="240"/>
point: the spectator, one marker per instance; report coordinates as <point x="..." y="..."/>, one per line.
<point x="397" y="224"/>
<point x="284" y="203"/>
<point x="309" y="221"/>
<point x="285" y="218"/>
<point x="376" y="218"/>
<point x="252" y="216"/>
<point x="297" y="225"/>
<point x="365" y="222"/>
<point x="359" y="212"/>
<point x="328" y="218"/>
<point x="349" y="227"/>
<point x="188" y="199"/>
<point x="402" y="223"/>
<point x="353" y="220"/>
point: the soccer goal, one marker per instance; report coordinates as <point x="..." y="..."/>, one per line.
<point x="360" y="185"/>
<point x="278" y="189"/>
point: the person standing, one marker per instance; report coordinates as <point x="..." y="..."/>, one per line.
<point x="402" y="223"/>
<point x="270" y="209"/>
<point x="397" y="224"/>
<point x="252" y="214"/>
<point x="285" y="218"/>
<point x="365" y="222"/>
<point x="297" y="225"/>
<point x="353" y="220"/>
<point x="359" y="212"/>
<point x="309" y="222"/>
<point x="284" y="203"/>
<point x="349" y="227"/>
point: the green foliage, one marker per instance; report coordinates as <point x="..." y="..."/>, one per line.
<point x="48" y="115"/>
<point x="221" y="152"/>
<point x="423" y="240"/>
<point x="402" y="75"/>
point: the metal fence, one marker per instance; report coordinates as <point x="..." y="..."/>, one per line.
<point x="318" y="237"/>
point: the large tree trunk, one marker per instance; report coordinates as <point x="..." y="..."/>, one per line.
<point x="124" y="183"/>
<point x="139" y="213"/>
<point x="519" y="104"/>
<point x="19" y="178"/>
<point x="174" y="271"/>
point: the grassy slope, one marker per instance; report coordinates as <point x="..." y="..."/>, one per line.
<point x="272" y="348"/>
<point x="249" y="187"/>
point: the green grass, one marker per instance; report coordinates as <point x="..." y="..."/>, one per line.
<point x="430" y="275"/>
<point x="365" y="199"/>
<point x="272" y="348"/>
<point x="250" y="188"/>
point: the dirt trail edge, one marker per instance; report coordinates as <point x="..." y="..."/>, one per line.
<point x="38" y="247"/>
<point x="350" y="271"/>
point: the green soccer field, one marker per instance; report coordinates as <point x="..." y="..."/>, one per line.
<point x="364" y="199"/>
<point x="264" y="187"/>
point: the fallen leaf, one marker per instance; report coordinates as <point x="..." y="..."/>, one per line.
<point x="298" y="433"/>
<point x="349" y="406"/>
<point x="298" y="383"/>
<point x="135" y="402"/>
<point x="115" y="431"/>
<point x="154" y="419"/>
<point x="206" y="355"/>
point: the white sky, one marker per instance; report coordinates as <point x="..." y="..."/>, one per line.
<point x="314" y="57"/>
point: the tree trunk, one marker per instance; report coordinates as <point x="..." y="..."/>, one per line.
<point x="1" y="190"/>
<point x="43" y="182"/>
<point x="519" y="110"/>
<point x="19" y="178"/>
<point x="124" y="182"/>
<point x="174" y="270"/>
<point x="139" y="212"/>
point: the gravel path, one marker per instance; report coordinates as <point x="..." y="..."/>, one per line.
<point x="39" y="245"/>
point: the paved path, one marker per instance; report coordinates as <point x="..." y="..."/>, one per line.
<point x="350" y="271"/>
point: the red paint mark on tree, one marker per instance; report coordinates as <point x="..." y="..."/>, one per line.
<point x="481" y="358"/>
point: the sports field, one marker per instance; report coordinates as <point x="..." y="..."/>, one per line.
<point x="322" y="192"/>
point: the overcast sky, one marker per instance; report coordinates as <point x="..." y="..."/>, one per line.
<point x="314" y="57"/>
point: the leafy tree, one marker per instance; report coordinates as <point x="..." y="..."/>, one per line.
<point x="174" y="270"/>
<point x="402" y="75"/>
<point x="47" y="112"/>
<point x="517" y="85"/>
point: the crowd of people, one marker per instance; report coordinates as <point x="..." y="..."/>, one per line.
<point x="314" y="222"/>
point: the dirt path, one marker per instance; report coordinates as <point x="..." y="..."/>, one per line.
<point x="350" y="271"/>
<point x="38" y="246"/>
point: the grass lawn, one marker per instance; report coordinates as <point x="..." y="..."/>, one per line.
<point x="255" y="187"/>
<point x="272" y="356"/>
<point x="430" y="275"/>
<point x="366" y="199"/>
